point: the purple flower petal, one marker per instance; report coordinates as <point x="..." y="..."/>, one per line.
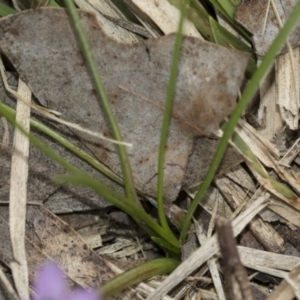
<point x="50" y="283"/>
<point x="83" y="295"/>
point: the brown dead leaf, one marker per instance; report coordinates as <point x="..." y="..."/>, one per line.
<point x="48" y="59"/>
<point x="57" y="198"/>
<point x="254" y="13"/>
<point x="201" y="158"/>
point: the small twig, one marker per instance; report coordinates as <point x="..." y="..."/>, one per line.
<point x="211" y="263"/>
<point x="18" y="194"/>
<point x="213" y="219"/>
<point x="237" y="283"/>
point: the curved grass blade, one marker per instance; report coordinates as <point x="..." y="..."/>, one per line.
<point x="10" y="116"/>
<point x="216" y="32"/>
<point x="199" y="18"/>
<point x="138" y="274"/>
<point x="6" y="10"/>
<point x="175" y="251"/>
<point x="166" y="120"/>
<point x="226" y="7"/>
<point x="61" y="140"/>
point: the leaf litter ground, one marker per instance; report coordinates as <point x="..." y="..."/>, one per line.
<point x="134" y="94"/>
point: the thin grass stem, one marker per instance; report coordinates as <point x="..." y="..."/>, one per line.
<point x="138" y="274"/>
<point x="166" y="120"/>
<point x="64" y="142"/>
<point x="104" y="102"/>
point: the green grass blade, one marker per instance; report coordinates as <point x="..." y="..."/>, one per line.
<point x="104" y="102"/>
<point x="174" y="251"/>
<point x="6" y="10"/>
<point x="138" y="274"/>
<point x="199" y="17"/>
<point x="4" y="111"/>
<point x="53" y="3"/>
<point x="226" y="7"/>
<point x="233" y="40"/>
<point x="78" y="177"/>
<point x="61" y="140"/>
<point x="166" y="120"/>
<point x="10" y="116"/>
<point x="246" y="97"/>
<point x="216" y="32"/>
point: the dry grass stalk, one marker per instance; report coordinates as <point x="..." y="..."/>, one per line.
<point x="281" y="208"/>
<point x="255" y="259"/>
<point x="287" y="94"/>
<point x="211" y="263"/>
<point x="260" y="146"/>
<point x="141" y="288"/>
<point x="288" y="99"/>
<point x="101" y="8"/>
<point x="163" y="14"/>
<point x="18" y="194"/>
<point x="287" y="72"/>
<point x="208" y="203"/>
<point x="265" y="152"/>
<point x="234" y="194"/>
<point x="145" y="290"/>
<point x="121" y="248"/>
